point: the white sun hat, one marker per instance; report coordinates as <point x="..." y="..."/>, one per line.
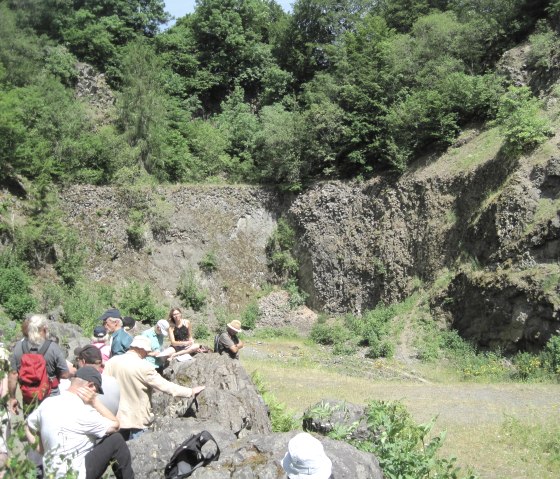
<point x="141" y="342"/>
<point x="163" y="326"/>
<point x="306" y="458"/>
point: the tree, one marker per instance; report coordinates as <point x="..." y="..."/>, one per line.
<point x="142" y="106"/>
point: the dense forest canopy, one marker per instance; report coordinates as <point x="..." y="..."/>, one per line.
<point x="240" y="91"/>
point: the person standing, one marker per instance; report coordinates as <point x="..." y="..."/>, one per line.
<point x="36" y="342"/>
<point x="75" y="432"/>
<point x="137" y="379"/>
<point x="228" y="342"/>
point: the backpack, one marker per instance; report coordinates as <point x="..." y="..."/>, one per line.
<point x="33" y="377"/>
<point x="189" y="456"/>
<point x="217" y="343"/>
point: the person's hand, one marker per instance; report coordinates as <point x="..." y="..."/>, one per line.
<point x="86" y="394"/>
<point x="13" y="405"/>
<point x="197" y="390"/>
<point x="240" y="344"/>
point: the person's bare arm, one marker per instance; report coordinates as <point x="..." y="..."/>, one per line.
<point x="236" y="347"/>
<point x="12" y="387"/>
<point x="90" y="397"/>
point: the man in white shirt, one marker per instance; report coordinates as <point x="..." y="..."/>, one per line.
<point x="70" y="426"/>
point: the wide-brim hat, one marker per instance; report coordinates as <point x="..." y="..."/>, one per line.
<point x="142" y="342"/>
<point x="306" y="458"/>
<point x="163" y="326"/>
<point x="235" y="325"/>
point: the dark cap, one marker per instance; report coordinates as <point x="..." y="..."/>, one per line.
<point x="90" y="354"/>
<point x="128" y="322"/>
<point x="92" y="375"/>
<point x="110" y="313"/>
<point x="99" y="332"/>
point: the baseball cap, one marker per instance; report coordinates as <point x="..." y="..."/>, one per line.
<point x="110" y="313"/>
<point x="90" y="374"/>
<point x="90" y="354"/>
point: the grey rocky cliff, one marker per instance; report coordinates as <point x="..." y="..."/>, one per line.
<point x="358" y="243"/>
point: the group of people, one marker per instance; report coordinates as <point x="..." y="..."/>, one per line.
<point x="93" y="407"/>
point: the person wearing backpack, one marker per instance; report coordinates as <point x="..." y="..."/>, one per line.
<point x="36" y="364"/>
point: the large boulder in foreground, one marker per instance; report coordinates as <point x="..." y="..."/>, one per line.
<point x="255" y="457"/>
<point x="230" y="398"/>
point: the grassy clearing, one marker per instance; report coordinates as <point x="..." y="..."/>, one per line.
<point x="480" y="419"/>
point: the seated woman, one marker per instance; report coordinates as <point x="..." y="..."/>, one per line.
<point x="180" y="334"/>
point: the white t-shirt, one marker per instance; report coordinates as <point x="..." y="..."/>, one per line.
<point x="68" y="429"/>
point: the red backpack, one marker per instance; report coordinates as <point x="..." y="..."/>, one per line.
<point x="33" y="377"/>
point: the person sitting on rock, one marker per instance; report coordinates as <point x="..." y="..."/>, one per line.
<point x="120" y="340"/>
<point x="89" y="355"/>
<point x="76" y="431"/>
<point x="137" y="380"/>
<point x="228" y="342"/>
<point x="156" y="335"/>
<point x="101" y="341"/>
<point x="180" y="334"/>
<point x="306" y="458"/>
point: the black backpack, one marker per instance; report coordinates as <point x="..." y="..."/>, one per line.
<point x="217" y="343"/>
<point x="189" y="456"/>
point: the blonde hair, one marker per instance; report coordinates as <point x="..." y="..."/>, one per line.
<point x="36" y="324"/>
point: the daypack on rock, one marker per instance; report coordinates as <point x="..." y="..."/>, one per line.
<point x="189" y="456"/>
<point x="217" y="343"/>
<point x="33" y="376"/>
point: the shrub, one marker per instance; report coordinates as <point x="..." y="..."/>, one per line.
<point x="201" y="331"/>
<point x="528" y="366"/>
<point x="209" y="262"/>
<point x="329" y="333"/>
<point x="521" y="121"/>
<point x="279" y="251"/>
<point x="403" y="447"/>
<point x="190" y="291"/>
<point x="297" y="296"/>
<point x="139" y="302"/>
<point x="282" y="420"/>
<point x="15" y="290"/>
<point x="551" y="355"/>
<point x="250" y="316"/>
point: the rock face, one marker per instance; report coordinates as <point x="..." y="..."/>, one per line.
<point x="357" y="243"/>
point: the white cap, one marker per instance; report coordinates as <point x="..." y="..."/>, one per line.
<point x="306" y="458"/>
<point x="163" y="326"/>
<point x="141" y="342"/>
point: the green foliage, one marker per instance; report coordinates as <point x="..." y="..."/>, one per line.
<point x="279" y="251"/>
<point x="282" y="420"/>
<point x="520" y="119"/>
<point x="136" y="229"/>
<point x="541" y="441"/>
<point x="404" y="448"/>
<point x="15" y="289"/>
<point x="209" y="262"/>
<point x="297" y="296"/>
<point x="201" y="331"/>
<point x="272" y="333"/>
<point x="329" y="332"/>
<point x="551" y="355"/>
<point x="251" y="315"/>
<point x="139" y="301"/>
<point x="190" y="291"/>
